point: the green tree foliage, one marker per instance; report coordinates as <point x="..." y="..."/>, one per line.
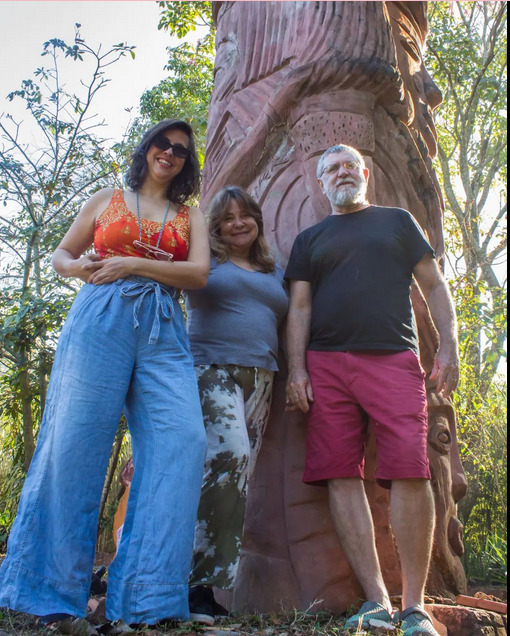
<point x="483" y="442"/>
<point x="48" y="165"/>
<point x="186" y="92"/>
<point x="467" y="56"/>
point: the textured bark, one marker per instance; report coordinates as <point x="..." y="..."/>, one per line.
<point x="26" y="410"/>
<point x="112" y="467"/>
<point x="292" y="79"/>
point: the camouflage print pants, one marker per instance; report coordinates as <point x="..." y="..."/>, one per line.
<point x="235" y="404"/>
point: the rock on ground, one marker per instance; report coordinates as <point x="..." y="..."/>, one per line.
<point x="463" y="621"/>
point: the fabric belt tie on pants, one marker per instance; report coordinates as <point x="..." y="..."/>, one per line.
<point x="164" y="303"/>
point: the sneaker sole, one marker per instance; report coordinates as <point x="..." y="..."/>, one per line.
<point x="203" y="619"/>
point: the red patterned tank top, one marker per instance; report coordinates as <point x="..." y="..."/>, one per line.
<point x="117" y="228"/>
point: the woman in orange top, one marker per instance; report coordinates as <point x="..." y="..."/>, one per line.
<point x="123" y="347"/>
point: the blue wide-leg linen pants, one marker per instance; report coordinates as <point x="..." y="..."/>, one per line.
<point x="124" y="346"/>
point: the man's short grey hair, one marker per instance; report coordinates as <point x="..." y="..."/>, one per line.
<point x="338" y="148"/>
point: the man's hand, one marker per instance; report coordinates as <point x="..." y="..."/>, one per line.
<point x="434" y="288"/>
<point x="299" y="392"/>
<point x="446" y="371"/>
<point x="299" y="388"/>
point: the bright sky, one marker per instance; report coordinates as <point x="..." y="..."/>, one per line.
<point x="26" y="25"/>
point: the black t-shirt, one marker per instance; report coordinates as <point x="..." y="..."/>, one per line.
<point x="360" y="266"/>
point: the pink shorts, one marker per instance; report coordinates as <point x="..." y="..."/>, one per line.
<point x="353" y="390"/>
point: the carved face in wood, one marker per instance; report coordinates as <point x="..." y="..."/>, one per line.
<point x="421" y="96"/>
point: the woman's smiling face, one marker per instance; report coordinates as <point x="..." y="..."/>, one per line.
<point x="238" y="229"/>
<point x="163" y="165"/>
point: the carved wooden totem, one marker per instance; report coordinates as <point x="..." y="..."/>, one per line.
<point x="291" y="80"/>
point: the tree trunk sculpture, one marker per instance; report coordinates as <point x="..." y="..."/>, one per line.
<point x="291" y="80"/>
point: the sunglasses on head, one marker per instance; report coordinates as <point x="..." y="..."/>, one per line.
<point x="161" y="142"/>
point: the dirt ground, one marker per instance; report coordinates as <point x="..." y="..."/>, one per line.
<point x="294" y="624"/>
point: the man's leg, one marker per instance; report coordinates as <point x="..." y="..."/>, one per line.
<point x="412" y="521"/>
<point x="353" y="523"/>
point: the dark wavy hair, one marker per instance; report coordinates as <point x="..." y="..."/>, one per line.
<point x="187" y="183"/>
<point x="260" y="255"/>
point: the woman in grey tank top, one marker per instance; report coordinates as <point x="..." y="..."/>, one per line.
<point x="233" y="328"/>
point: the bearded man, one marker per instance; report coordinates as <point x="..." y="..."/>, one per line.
<point x="353" y="363"/>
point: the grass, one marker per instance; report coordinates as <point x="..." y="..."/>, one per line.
<point x="294" y="623"/>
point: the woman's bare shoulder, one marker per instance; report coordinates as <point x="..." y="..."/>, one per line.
<point x="97" y="202"/>
<point x="104" y="194"/>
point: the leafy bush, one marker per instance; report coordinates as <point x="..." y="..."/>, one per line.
<point x="483" y="441"/>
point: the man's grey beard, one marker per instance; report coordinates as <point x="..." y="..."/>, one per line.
<point x="348" y="196"/>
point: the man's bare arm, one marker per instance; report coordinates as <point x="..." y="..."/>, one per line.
<point x="436" y="292"/>
<point x="299" y="388"/>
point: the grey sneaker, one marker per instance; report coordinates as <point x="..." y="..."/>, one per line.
<point x="414" y="621"/>
<point x="367" y="612"/>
